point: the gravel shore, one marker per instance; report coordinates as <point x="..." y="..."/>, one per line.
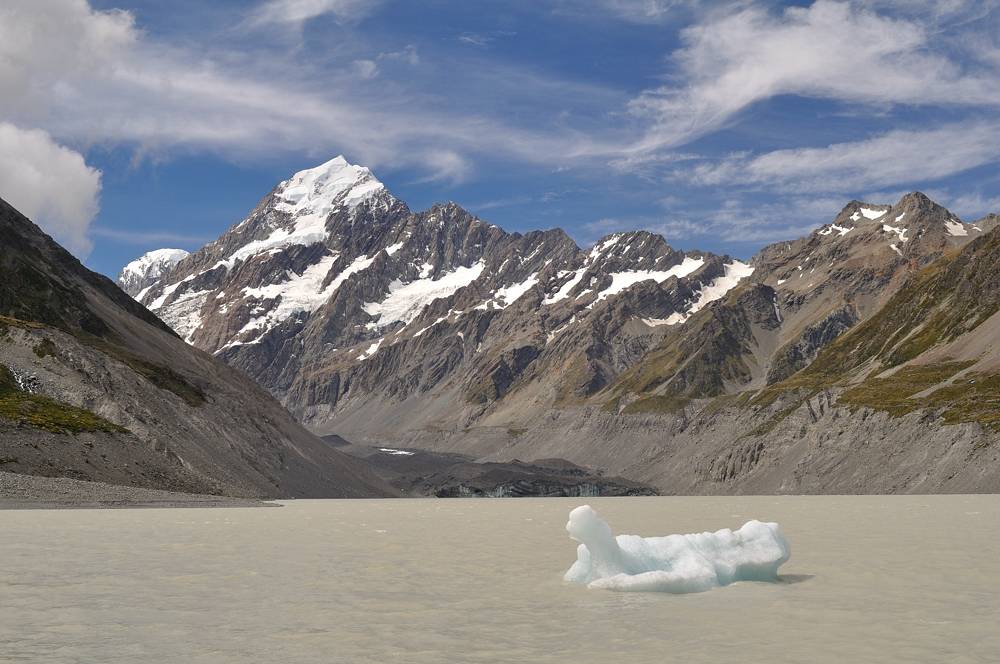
<point x="33" y="492"/>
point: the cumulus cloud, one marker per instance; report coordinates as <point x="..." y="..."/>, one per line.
<point x="43" y="44"/>
<point x="830" y="50"/>
<point x="50" y="184"/>
<point x="894" y="158"/>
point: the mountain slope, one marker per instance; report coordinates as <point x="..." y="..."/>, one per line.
<point x="802" y="295"/>
<point x="905" y="401"/>
<point x="146" y="270"/>
<point x="435" y="330"/>
<point x="350" y="307"/>
<point x="93" y="386"/>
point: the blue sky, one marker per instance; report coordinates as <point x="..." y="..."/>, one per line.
<point x="130" y="126"/>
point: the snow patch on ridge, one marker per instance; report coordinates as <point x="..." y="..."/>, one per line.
<point x="405" y="301"/>
<point x="564" y="290"/>
<point x="622" y="280"/>
<point x="871" y="213"/>
<point x="154" y="263"/>
<point x="956" y="228"/>
<point x="508" y="295"/>
<point x="734" y="273"/>
<point x="300" y="293"/>
<point x="843" y="230"/>
<point x="371" y="350"/>
<point x="901" y="232"/>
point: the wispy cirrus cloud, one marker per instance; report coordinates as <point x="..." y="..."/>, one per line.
<point x="297" y="12"/>
<point x="117" y="86"/>
<point x="732" y="220"/>
<point x="445" y="112"/>
<point x="144" y="238"/>
<point x="889" y="159"/>
<point x="828" y="50"/>
<point x="634" y="11"/>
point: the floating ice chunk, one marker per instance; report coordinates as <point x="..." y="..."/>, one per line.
<point x="675" y="563"/>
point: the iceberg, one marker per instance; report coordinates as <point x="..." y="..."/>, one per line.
<point x="675" y="563"/>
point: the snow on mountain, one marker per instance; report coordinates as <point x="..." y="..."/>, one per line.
<point x="435" y="328"/>
<point x="956" y="228"/>
<point x="405" y="301"/>
<point x="734" y="273"/>
<point x="622" y="280"/>
<point x="308" y="198"/>
<point x="146" y="270"/>
<point x="333" y="273"/>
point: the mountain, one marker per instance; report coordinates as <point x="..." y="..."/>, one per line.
<point x="95" y="387"/>
<point x="340" y="300"/>
<point x="146" y="270"/>
<point x="438" y="331"/>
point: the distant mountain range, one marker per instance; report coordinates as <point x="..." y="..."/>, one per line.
<point x="95" y="387"/>
<point x="849" y="360"/>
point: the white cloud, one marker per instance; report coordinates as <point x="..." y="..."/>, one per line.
<point x="893" y="158"/>
<point x="366" y="69"/>
<point x="49" y="184"/>
<point x="974" y="205"/>
<point x="446" y="165"/>
<point x="297" y="12"/>
<point x="645" y="11"/>
<point x="408" y="55"/>
<point x="733" y="220"/>
<point x="829" y="50"/>
<point x="148" y="237"/>
<point x="633" y="11"/>
<point x="91" y="77"/>
<point x="44" y="44"/>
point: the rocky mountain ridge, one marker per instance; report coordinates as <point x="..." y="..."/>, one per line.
<point x="94" y="387"/>
<point x="332" y="281"/>
<point x="436" y="330"/>
<point x="146" y="270"/>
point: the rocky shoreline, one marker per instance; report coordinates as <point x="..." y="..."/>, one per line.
<point x="33" y="492"/>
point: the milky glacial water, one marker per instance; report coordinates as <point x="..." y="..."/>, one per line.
<point x="871" y="579"/>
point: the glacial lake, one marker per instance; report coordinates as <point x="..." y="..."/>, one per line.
<point x="871" y="579"/>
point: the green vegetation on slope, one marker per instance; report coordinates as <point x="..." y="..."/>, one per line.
<point x="942" y="302"/>
<point x="700" y="358"/>
<point x="41" y="412"/>
<point x="33" y="295"/>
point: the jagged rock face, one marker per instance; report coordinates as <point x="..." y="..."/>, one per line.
<point x="146" y="270"/>
<point x="333" y="291"/>
<point x="93" y="386"/>
<point x="436" y="330"/>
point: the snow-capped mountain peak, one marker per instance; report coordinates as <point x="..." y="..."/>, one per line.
<point x="146" y="270"/>
<point x="320" y="189"/>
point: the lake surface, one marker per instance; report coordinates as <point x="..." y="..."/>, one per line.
<point x="871" y="579"/>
